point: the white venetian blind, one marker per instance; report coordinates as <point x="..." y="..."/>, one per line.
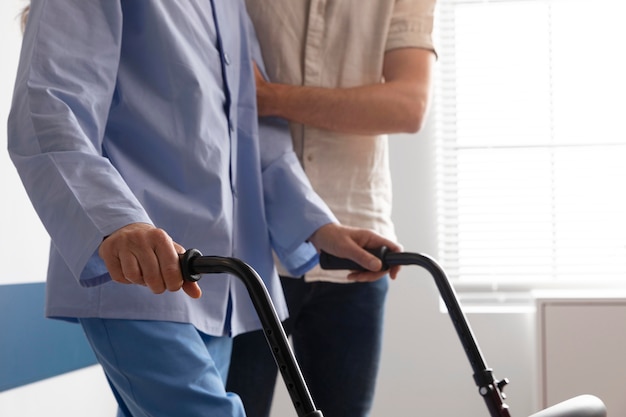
<point x="530" y="119"/>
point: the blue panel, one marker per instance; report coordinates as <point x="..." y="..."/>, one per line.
<point x="31" y="346"/>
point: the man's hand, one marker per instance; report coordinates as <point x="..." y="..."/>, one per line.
<point x="348" y="242"/>
<point x="145" y="255"/>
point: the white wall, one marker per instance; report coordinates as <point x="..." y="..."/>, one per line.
<point x="23" y="237"/>
<point x="80" y="393"/>
<point x="424" y="367"/>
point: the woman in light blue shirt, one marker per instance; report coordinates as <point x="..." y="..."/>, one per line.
<point x="134" y="130"/>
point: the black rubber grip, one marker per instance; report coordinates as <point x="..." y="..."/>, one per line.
<point x="328" y="261"/>
<point x="185" y="265"/>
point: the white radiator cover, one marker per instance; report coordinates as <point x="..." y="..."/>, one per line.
<point x="582" y="350"/>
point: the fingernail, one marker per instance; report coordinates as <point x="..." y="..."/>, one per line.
<point x="374" y="265"/>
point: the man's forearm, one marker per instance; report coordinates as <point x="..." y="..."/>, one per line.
<point x="397" y="105"/>
<point x="372" y="109"/>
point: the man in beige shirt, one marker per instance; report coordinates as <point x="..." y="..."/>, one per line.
<point x="344" y="73"/>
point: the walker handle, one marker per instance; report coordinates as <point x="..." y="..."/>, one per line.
<point x="328" y="261"/>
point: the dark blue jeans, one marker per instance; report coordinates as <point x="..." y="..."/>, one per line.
<point x="336" y="331"/>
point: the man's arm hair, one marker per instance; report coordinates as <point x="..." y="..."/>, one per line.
<point x="397" y="104"/>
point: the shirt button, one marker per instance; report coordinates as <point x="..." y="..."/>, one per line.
<point x="226" y="59"/>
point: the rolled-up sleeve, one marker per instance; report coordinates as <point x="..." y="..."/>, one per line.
<point x="411" y="25"/>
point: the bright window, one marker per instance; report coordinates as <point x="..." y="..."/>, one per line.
<point x="531" y="137"/>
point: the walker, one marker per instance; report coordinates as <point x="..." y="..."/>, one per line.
<point x="194" y="264"/>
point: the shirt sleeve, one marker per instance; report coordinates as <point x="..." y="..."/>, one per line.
<point x="64" y="88"/>
<point x="293" y="209"/>
<point x="411" y="25"/>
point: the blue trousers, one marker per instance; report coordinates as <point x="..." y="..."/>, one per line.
<point x="336" y="331"/>
<point x="163" y="369"/>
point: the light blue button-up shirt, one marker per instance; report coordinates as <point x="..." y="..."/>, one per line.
<point x="145" y="111"/>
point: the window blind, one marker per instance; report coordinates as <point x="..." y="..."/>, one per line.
<point x="531" y="143"/>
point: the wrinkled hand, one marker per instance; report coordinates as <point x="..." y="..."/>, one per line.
<point x="145" y="255"/>
<point x="348" y="242"/>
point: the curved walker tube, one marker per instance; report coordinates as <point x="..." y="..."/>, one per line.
<point x="193" y="265"/>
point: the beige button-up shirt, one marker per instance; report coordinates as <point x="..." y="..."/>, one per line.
<point x="341" y="43"/>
